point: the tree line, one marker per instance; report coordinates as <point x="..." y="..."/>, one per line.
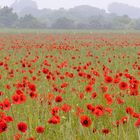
<point x="10" y="19"/>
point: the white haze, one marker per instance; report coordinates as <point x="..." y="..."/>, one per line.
<point x="55" y="4"/>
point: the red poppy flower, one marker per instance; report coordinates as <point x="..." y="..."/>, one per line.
<point x="108" y="110"/>
<point x="40" y="129"/>
<point x="58" y="99"/>
<point x="33" y="95"/>
<point x="108" y="79"/>
<point x="79" y="110"/>
<point x="98" y="112"/>
<point x="16" y="99"/>
<point x="124" y="119"/>
<point x="22" y="126"/>
<point x="6" y="104"/>
<point x="55" y="110"/>
<point x="104" y="89"/>
<point x="105" y="131"/>
<point x="94" y="130"/>
<point x="81" y="96"/>
<point x="116" y="80"/>
<point x="135" y="115"/>
<point x="89" y="107"/>
<point x="108" y="98"/>
<point x="137" y="123"/>
<point x="1" y="105"/>
<point x="19" y="92"/>
<point x="64" y="85"/>
<point x="54" y="120"/>
<point x="123" y="85"/>
<point x="8" y="87"/>
<point x="22" y="98"/>
<point x="32" y="87"/>
<point x="129" y="110"/>
<point x="1" y="93"/>
<point x="8" y="119"/>
<point x="31" y="138"/>
<point x="85" y="121"/>
<point x="88" y="76"/>
<point x="88" y="88"/>
<point x="120" y="101"/>
<point x="66" y="108"/>
<point x="17" y="136"/>
<point x="3" y="126"/>
<point x="134" y="92"/>
<point x="94" y="95"/>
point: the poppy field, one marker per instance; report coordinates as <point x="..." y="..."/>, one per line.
<point x="70" y="86"/>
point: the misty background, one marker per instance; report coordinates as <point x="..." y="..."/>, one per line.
<point x="74" y="14"/>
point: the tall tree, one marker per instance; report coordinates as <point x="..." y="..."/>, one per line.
<point x="7" y="17"/>
<point x="63" y="23"/>
<point x="28" y="21"/>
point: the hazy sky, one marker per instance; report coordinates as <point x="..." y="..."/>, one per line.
<point x="55" y="4"/>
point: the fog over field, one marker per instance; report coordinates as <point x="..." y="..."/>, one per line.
<point x="55" y="4"/>
<point x="74" y="14"/>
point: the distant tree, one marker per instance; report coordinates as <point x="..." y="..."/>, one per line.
<point x="137" y="24"/>
<point x="82" y="25"/>
<point x="124" y="21"/>
<point x="63" y="23"/>
<point x="7" y="17"/>
<point x="97" y="22"/>
<point x="112" y="21"/>
<point x="28" y="21"/>
<point x="80" y="17"/>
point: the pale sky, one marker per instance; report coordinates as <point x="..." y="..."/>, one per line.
<point x="55" y="4"/>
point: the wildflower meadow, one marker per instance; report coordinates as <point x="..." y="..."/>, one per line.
<point x="70" y="86"/>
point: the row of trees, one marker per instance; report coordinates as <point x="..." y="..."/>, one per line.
<point x="109" y="21"/>
<point x="9" y="19"/>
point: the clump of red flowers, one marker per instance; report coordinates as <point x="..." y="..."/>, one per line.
<point x="54" y="120"/>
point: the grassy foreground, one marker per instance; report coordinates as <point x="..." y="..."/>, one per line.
<point x="77" y="86"/>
